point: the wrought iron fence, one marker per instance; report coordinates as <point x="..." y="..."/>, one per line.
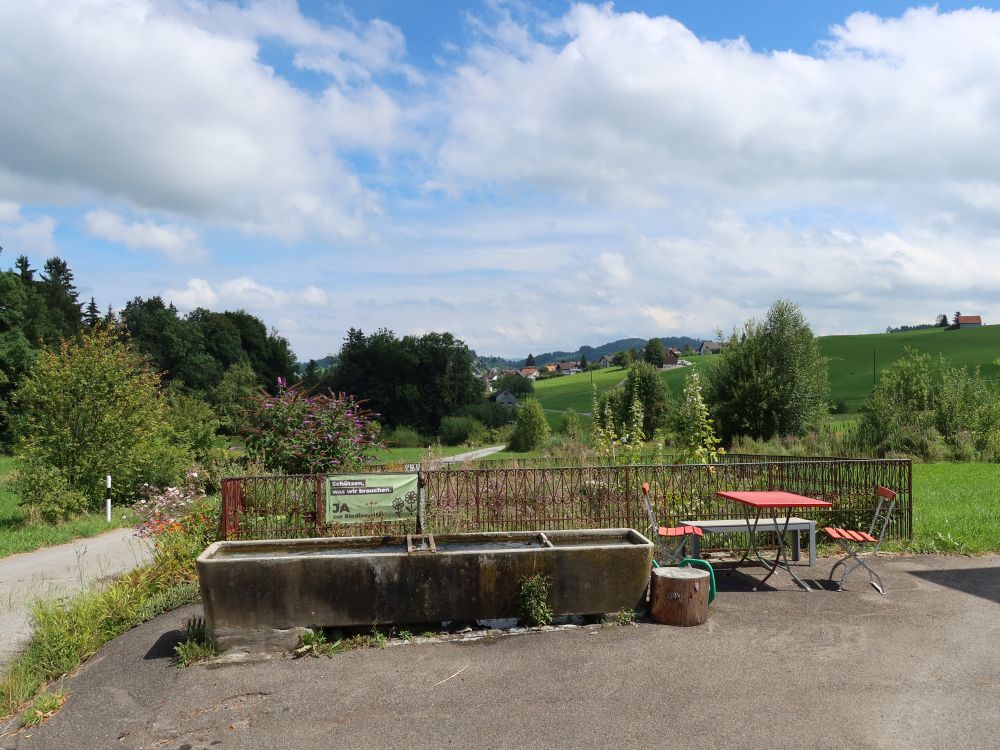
<point x="573" y="497"/>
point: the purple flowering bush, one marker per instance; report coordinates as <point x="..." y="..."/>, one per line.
<point x="296" y="433"/>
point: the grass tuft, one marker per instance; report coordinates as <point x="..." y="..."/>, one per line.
<point x="43" y="708"/>
<point x="619" y="619"/>
<point x="533" y="598"/>
<point x="196" y="646"/>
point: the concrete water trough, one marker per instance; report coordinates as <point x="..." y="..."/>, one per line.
<point x="263" y="594"/>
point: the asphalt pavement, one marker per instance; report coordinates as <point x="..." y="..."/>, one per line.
<point x="57" y="571"/>
<point x="916" y="668"/>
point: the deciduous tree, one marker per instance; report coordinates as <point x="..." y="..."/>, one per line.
<point x="653" y="352"/>
<point x="771" y="378"/>
<point x="92" y="407"/>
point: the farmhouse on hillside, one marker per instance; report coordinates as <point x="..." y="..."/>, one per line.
<point x="710" y="347"/>
<point x="969" y="321"/>
<point x="671" y="357"/>
<point x="606" y="361"/>
<point x="506" y="398"/>
<point x="531" y="373"/>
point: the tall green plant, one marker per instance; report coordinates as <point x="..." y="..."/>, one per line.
<point x="696" y="439"/>
<point x="90" y="408"/>
<point x="620" y="441"/>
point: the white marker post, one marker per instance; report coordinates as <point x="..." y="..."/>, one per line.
<point x="107" y="497"/>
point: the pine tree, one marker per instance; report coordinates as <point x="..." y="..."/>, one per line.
<point x="583" y="361"/>
<point x="62" y="318"/>
<point x="92" y="315"/>
<point x="24" y="269"/>
<point x="530" y="361"/>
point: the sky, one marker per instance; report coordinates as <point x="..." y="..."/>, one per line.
<point x="527" y="176"/>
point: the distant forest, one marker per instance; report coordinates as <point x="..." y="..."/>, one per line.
<point x="593" y="353"/>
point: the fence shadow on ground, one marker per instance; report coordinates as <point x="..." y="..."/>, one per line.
<point x="981" y="582"/>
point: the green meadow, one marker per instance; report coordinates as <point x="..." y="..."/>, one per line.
<point x="855" y="361"/>
<point x="18" y="535"/>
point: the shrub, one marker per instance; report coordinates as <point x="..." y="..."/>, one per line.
<point x="490" y="413"/>
<point x="45" y="493"/>
<point x="618" y="441"/>
<point x="405" y="437"/>
<point x="533" y="598"/>
<point x="571" y="428"/>
<point x="458" y="430"/>
<point x="925" y="407"/>
<point x="298" y="434"/>
<point x="530" y="429"/>
<point x="194" y="425"/>
<point x="92" y="408"/>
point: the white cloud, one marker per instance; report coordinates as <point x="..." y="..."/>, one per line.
<point x="243" y="292"/>
<point x="614" y="269"/>
<point x="197" y="293"/>
<point x="21" y="234"/>
<point x="9" y="212"/>
<point x="178" y="243"/>
<point x="167" y="106"/>
<point x="634" y="110"/>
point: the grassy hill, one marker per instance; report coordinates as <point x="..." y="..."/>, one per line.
<point x="851" y="356"/>
<point x="575" y="391"/>
<point x="850" y="364"/>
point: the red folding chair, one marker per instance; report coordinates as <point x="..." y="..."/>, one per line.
<point x="858" y="546"/>
<point x="679" y="534"/>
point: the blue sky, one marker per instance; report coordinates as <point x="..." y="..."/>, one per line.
<point x="529" y="176"/>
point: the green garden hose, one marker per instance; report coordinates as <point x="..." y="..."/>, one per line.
<point x="698" y="563"/>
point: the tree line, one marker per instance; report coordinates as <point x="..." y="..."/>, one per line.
<point x="209" y="355"/>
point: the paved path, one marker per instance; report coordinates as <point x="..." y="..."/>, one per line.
<point x="472" y="455"/>
<point x="55" y="571"/>
<point x="917" y="668"/>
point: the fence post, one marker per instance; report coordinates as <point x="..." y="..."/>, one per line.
<point x="420" y="502"/>
<point x="320" y="505"/>
<point x="628" y="495"/>
<point x="228" y="487"/>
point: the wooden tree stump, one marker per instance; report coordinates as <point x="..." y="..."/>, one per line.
<point x="679" y="596"/>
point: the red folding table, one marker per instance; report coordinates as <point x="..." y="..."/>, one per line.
<point x="773" y="502"/>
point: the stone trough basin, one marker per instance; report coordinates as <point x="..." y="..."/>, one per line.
<point x="263" y="594"/>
